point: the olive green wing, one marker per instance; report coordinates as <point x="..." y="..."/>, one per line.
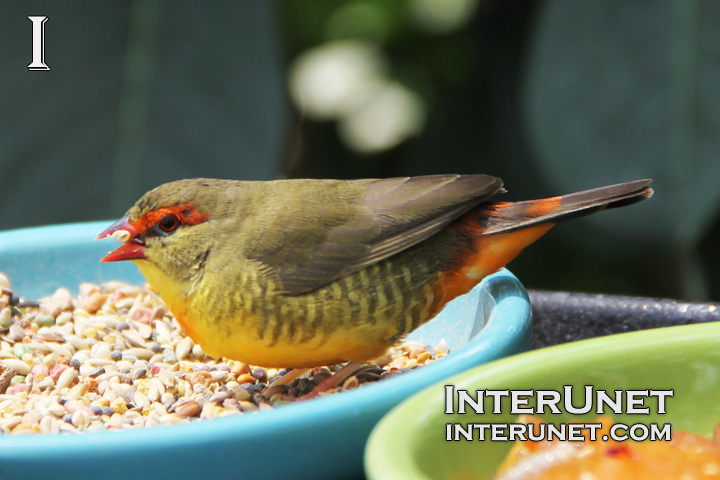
<point x="332" y="228"/>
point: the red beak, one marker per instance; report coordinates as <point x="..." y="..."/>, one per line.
<point x="133" y="249"/>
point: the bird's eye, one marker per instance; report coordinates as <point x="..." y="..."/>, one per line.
<point x="169" y="223"/>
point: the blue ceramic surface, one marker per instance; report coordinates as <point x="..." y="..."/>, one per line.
<point x="323" y="438"/>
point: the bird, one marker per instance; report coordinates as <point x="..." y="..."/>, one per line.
<point x="299" y="273"/>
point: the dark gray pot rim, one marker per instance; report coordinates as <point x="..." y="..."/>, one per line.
<point x="561" y="317"/>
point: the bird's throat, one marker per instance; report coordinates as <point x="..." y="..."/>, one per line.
<point x="173" y="292"/>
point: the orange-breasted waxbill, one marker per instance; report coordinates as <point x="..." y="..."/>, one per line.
<point x="301" y="273"/>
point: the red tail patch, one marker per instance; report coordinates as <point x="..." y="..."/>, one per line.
<point x="532" y="209"/>
<point x="538" y="208"/>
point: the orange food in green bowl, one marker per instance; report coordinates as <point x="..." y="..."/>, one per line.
<point x="410" y="442"/>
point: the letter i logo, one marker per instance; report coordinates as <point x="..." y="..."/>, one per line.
<point x="38" y="51"/>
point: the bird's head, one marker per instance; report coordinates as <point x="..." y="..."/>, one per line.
<point x="168" y="229"/>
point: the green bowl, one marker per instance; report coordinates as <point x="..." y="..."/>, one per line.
<point x="409" y="443"/>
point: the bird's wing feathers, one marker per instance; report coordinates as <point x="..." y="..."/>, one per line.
<point x="392" y="215"/>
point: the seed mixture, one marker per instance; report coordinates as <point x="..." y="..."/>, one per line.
<point x="115" y="358"/>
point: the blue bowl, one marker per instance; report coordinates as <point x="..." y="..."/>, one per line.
<point x="323" y="438"/>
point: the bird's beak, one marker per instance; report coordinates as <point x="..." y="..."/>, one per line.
<point x="133" y="248"/>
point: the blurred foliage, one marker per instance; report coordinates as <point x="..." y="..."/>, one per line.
<point x="139" y="93"/>
<point x="628" y="95"/>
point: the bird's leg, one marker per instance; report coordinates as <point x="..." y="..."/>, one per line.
<point x="336" y="379"/>
<point x="289" y="377"/>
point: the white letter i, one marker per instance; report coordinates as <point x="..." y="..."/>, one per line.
<point x="38" y="57"/>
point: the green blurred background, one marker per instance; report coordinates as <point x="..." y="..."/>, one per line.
<point x="553" y="96"/>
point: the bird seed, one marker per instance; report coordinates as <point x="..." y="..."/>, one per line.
<point x="115" y="358"/>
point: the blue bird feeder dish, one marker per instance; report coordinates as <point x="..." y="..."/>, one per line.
<point x="318" y="439"/>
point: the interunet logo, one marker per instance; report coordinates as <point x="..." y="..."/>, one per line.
<point x="38" y="49"/>
<point x="546" y="401"/>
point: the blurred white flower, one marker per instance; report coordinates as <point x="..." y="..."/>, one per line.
<point x="390" y="116"/>
<point x="442" y="16"/>
<point x="346" y="81"/>
<point x="325" y="82"/>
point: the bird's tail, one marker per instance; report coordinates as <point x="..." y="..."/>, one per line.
<point x="501" y="217"/>
<point x="496" y="232"/>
